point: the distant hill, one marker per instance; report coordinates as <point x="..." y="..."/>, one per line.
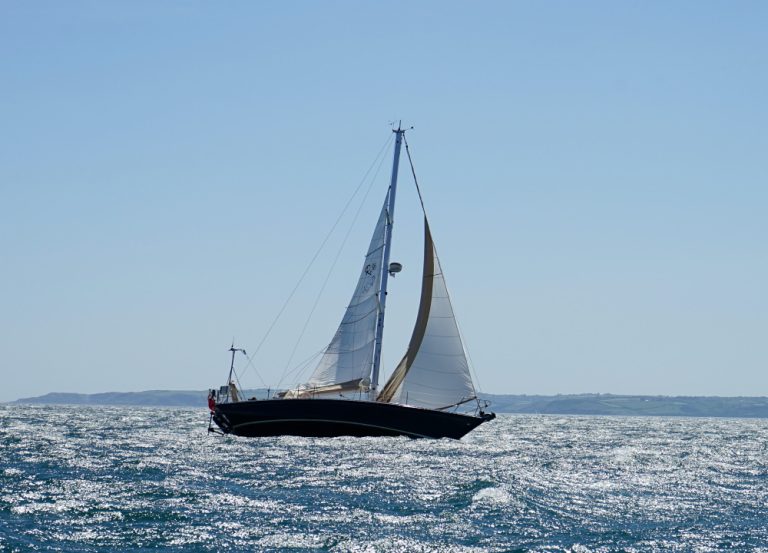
<point x="578" y="404"/>
<point x="610" y="404"/>
<point x="155" y="398"/>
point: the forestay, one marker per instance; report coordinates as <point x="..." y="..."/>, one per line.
<point x="434" y="372"/>
<point x="348" y="358"/>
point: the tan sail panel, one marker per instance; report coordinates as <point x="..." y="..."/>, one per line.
<point x="420" y="328"/>
<point x="434" y="372"/>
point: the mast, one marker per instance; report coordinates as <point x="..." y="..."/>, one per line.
<point x="385" y="264"/>
<point x="234" y="350"/>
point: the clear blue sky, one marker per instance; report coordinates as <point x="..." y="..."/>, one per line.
<point x="596" y="174"/>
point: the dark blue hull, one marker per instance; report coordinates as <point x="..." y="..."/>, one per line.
<point x="340" y="417"/>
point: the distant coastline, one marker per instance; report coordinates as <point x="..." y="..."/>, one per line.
<point x="566" y="404"/>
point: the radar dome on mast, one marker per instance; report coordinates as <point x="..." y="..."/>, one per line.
<point x="395" y="268"/>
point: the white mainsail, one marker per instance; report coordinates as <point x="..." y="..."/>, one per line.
<point x="434" y="372"/>
<point x="348" y="359"/>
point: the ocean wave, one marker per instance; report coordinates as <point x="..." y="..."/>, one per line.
<point x="115" y="479"/>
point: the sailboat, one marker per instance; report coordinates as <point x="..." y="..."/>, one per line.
<point x="430" y="392"/>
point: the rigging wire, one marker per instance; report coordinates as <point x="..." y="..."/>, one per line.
<point x="299" y="369"/>
<point x="333" y="265"/>
<point x="251" y="364"/>
<point x="461" y="334"/>
<point x="413" y="172"/>
<point x="317" y="253"/>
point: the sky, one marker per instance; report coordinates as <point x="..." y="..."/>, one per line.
<point x="595" y="174"/>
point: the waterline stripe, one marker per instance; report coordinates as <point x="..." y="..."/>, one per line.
<point x="270" y="421"/>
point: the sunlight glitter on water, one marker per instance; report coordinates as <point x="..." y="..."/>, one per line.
<point x="114" y="479"/>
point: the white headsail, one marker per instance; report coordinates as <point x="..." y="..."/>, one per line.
<point x="434" y="372"/>
<point x="348" y="358"/>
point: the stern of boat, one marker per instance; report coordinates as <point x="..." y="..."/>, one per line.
<point x="217" y="414"/>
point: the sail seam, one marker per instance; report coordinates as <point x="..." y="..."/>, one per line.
<point x="362" y="317"/>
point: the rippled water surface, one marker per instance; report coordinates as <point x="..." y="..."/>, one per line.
<point x="116" y="479"/>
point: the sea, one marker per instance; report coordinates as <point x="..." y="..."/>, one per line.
<point x="94" y="479"/>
